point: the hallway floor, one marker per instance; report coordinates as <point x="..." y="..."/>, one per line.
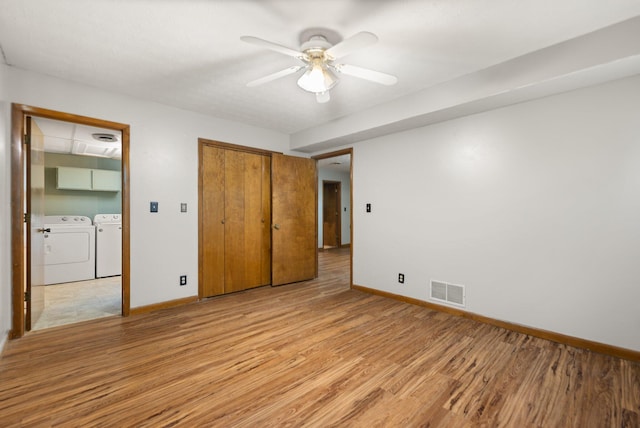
<point x="80" y="301"/>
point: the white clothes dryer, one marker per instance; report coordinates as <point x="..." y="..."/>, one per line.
<point x="108" y="245"/>
<point x="69" y="249"/>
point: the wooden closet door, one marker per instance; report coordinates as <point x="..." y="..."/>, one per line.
<point x="294" y="212"/>
<point x="235" y="220"/>
<point x="265" y="254"/>
<point x="212" y="224"/>
<point x="244" y="225"/>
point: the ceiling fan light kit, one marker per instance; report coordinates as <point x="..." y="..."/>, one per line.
<point x="318" y="56"/>
<point x="317" y="78"/>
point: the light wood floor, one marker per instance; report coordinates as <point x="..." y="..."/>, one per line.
<point x="311" y="354"/>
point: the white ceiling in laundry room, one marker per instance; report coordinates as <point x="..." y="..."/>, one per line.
<point x="75" y="139"/>
<point x="189" y="54"/>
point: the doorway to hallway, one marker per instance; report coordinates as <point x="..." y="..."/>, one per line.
<point x="335" y="196"/>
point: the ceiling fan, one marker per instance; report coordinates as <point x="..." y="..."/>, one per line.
<point x="318" y="56"/>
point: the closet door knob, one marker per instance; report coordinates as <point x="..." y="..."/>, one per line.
<point x="276" y="226"/>
<point x="222" y="221"/>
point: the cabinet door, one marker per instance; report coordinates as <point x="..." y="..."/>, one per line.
<point x="106" y="180"/>
<point x="73" y="178"/>
<point x="212" y="221"/>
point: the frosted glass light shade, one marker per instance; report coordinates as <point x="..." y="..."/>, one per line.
<point x="317" y="79"/>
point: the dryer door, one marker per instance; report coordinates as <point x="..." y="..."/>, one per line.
<point x="68" y="254"/>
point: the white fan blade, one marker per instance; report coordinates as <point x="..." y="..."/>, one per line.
<point x="366" y="74"/>
<point x="274" y="76"/>
<point x="273" y="46"/>
<point x="351" y="44"/>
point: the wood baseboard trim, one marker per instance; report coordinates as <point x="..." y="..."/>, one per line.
<point x="627" y="354"/>
<point x="163" y="305"/>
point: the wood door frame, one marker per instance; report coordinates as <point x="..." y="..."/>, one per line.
<point x="339" y="206"/>
<point x="18" y="194"/>
<point x="349" y="152"/>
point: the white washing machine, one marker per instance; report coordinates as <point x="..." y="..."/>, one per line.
<point x="108" y="245"/>
<point x="69" y="249"/>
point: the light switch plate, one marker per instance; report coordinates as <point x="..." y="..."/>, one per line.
<point x="153" y="207"/>
<point x="183" y="207"/>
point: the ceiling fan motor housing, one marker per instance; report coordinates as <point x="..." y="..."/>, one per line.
<point x="315" y="46"/>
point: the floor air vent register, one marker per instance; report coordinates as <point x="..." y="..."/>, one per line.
<point x="448" y="293"/>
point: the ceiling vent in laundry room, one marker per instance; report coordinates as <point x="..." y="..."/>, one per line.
<point x="105" y="138"/>
<point x="448" y="293"/>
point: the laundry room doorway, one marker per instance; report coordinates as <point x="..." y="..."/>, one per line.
<point x="69" y="192"/>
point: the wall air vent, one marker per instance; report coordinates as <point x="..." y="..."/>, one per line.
<point x="448" y="293"/>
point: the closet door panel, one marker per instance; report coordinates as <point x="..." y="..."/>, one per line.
<point x="265" y="255"/>
<point x="244" y="227"/>
<point x="234" y="242"/>
<point x="213" y="228"/>
<point x="253" y="219"/>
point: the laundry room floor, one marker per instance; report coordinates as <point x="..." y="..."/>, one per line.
<point x="80" y="301"/>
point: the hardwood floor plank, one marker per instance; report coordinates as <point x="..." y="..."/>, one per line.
<point x="308" y="354"/>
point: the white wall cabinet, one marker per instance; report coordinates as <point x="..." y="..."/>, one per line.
<point x="105" y="180"/>
<point x="68" y="178"/>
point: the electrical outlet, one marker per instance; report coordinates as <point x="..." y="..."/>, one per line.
<point x="183" y="207"/>
<point x="183" y="280"/>
<point x="401" y="278"/>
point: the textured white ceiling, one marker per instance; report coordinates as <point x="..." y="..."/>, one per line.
<point x="188" y="54"/>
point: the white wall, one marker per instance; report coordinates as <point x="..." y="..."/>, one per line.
<point x="534" y="207"/>
<point x="345" y="197"/>
<point x="163" y="168"/>
<point x="5" y="211"/>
